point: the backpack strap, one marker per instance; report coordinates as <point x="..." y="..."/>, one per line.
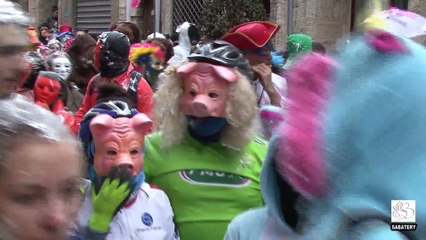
<point x="132" y="91"/>
<point x="94" y="84"/>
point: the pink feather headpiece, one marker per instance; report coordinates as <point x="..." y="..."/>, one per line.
<point x="299" y="157"/>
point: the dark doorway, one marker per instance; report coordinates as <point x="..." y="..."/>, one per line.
<point x="148" y="17"/>
<point x="267" y="4"/>
<point x="352" y="14"/>
<point x="357" y="7"/>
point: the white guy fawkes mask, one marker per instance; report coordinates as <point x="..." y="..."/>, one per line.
<point x="62" y="66"/>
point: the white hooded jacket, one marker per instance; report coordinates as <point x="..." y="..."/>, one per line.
<point x="183" y="49"/>
<point x="149" y="216"/>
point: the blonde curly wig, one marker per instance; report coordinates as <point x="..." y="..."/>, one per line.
<point x="241" y="111"/>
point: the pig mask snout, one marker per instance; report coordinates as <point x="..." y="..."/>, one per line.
<point x="119" y="142"/>
<point x="127" y="166"/>
<point x="201" y="107"/>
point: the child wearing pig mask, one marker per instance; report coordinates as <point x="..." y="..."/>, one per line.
<point x="118" y="204"/>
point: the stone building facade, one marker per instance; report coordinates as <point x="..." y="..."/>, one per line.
<point x="418" y="6"/>
<point x="325" y="20"/>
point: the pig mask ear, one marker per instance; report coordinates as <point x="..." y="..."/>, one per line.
<point x="142" y="124"/>
<point x="185" y="69"/>
<point x="100" y="124"/>
<point x="225" y="73"/>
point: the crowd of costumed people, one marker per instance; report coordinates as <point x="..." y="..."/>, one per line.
<point x="118" y="137"/>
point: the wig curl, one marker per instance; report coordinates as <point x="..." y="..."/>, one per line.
<point x="240" y="111"/>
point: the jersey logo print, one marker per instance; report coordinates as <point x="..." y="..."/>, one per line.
<point x="213" y="178"/>
<point x="147" y="219"/>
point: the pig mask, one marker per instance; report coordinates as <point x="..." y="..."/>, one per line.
<point x="118" y="142"/>
<point x="206" y="89"/>
<point x="206" y="93"/>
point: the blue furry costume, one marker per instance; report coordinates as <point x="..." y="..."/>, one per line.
<point x="373" y="137"/>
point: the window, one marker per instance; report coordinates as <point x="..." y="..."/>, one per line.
<point x="358" y="13"/>
<point x="401" y="4"/>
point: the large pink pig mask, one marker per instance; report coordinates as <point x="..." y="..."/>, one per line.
<point x="206" y="89"/>
<point x="118" y="142"/>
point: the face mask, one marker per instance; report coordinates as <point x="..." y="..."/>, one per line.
<point x="62" y="66"/>
<point x="46" y="90"/>
<point x="206" y="89"/>
<point x="207" y="126"/>
<point x="119" y="142"/>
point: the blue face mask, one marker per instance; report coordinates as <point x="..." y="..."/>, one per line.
<point x="208" y="126"/>
<point x="266" y="50"/>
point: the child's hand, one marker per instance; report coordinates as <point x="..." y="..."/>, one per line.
<point x="108" y="198"/>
